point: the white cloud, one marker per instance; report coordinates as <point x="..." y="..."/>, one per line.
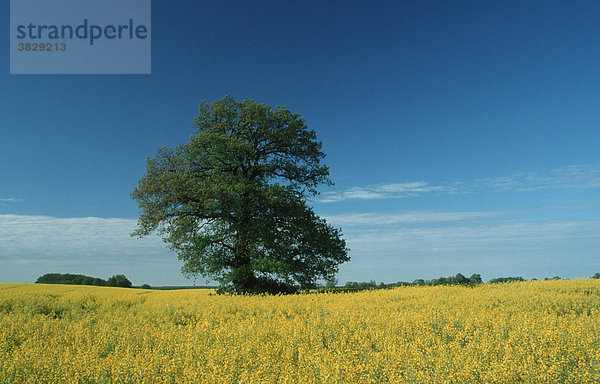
<point x="90" y="245"/>
<point x="385" y="191"/>
<point x="503" y="246"/>
<point x="446" y="231"/>
<point x="46" y="235"/>
<point x="537" y="242"/>
<point x="542" y="234"/>
<point x="10" y="200"/>
<point x="418" y="217"/>
<point x="387" y="246"/>
<point x="572" y="177"/>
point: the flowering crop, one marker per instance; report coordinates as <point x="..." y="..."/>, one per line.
<point x="531" y="332"/>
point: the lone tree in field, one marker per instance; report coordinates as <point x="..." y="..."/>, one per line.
<point x="232" y="202"/>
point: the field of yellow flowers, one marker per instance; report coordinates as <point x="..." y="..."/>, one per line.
<point x="531" y="332"/>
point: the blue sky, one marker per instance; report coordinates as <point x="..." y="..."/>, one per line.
<point x="462" y="136"/>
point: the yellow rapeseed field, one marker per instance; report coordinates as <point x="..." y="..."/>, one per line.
<point x="530" y="332"/>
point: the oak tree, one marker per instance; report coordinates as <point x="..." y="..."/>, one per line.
<point x="233" y="201"/>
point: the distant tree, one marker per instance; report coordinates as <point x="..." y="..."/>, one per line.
<point x="475" y="278"/>
<point x="232" y="202"/>
<point x="118" y="281"/>
<point x="145" y="286"/>
<point x="419" y="282"/>
<point x="596" y="276"/>
<point x="459" y="279"/>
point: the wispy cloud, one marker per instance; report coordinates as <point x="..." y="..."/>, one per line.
<point x="405" y="246"/>
<point x="386" y="191"/>
<point x="421" y="231"/>
<point x="418" y="217"/>
<point x="522" y="236"/>
<point x="89" y="245"/>
<point x="45" y="235"/>
<point x="10" y="200"/>
<point x="572" y="177"/>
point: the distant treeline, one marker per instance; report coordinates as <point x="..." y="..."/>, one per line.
<point x="68" y="278"/>
<point x="350" y="286"/>
<point x="458" y="279"/>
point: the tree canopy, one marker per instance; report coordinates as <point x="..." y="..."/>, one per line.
<point x="232" y="202"/>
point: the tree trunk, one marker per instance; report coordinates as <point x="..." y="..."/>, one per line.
<point x="243" y="279"/>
